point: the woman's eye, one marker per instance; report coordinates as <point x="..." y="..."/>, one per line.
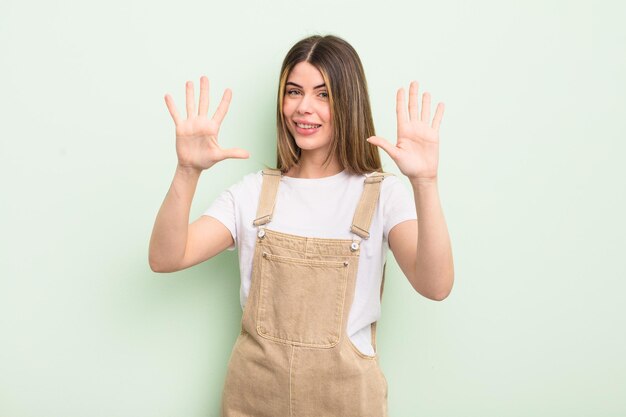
<point x="324" y="94"/>
<point x="292" y="92"/>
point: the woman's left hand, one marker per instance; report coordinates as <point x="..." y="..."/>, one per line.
<point x="417" y="150"/>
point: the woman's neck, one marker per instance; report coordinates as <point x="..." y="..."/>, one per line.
<point x="309" y="168"/>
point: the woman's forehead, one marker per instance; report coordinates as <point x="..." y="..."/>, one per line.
<point x="305" y="74"/>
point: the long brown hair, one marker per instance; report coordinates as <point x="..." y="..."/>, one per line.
<point x="351" y="113"/>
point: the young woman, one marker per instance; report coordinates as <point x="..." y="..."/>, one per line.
<point x="312" y="234"/>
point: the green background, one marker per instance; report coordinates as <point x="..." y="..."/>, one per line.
<point x="531" y="181"/>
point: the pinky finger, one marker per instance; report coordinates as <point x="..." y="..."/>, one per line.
<point x="438" y="116"/>
<point x="169" y="102"/>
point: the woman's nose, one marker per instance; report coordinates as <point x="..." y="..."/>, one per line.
<point x="304" y="106"/>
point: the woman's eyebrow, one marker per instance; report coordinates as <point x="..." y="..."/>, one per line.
<point x="299" y="86"/>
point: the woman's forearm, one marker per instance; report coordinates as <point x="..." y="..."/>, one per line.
<point x="434" y="269"/>
<point x="169" y="234"/>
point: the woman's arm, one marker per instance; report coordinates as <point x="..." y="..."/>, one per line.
<point x="175" y="244"/>
<point x="424" y="257"/>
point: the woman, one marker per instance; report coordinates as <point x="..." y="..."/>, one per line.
<point x="312" y="234"/>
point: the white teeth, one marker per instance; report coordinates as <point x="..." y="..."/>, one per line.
<point x="303" y="126"/>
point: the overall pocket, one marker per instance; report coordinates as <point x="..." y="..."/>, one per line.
<point x="301" y="301"/>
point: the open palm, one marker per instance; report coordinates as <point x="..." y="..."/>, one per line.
<point x="196" y="136"/>
<point x="416" y="151"/>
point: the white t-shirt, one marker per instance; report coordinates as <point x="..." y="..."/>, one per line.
<point x="322" y="208"/>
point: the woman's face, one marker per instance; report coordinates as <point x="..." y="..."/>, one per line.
<point x="306" y="108"/>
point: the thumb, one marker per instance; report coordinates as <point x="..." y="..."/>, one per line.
<point x="382" y="143"/>
<point x="235" y="153"/>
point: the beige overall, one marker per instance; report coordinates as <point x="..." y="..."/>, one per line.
<point x="293" y="357"/>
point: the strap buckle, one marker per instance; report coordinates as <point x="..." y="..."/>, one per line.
<point x="274" y="172"/>
<point x="262" y="220"/>
<point x="374" y="178"/>
<point x="360" y="232"/>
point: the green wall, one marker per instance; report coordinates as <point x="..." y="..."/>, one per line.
<point x="531" y="180"/>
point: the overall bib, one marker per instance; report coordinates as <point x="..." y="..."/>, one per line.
<point x="293" y="357"/>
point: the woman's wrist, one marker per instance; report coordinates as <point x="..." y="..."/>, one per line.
<point x="422" y="182"/>
<point x="188" y="171"/>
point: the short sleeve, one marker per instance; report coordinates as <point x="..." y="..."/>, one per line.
<point x="223" y="209"/>
<point x="398" y="204"/>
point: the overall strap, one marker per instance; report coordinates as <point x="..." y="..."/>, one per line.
<point x="367" y="205"/>
<point x="267" y="199"/>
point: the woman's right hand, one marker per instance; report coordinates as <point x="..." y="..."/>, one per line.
<point x="196" y="136"/>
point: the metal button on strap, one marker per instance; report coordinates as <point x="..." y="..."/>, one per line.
<point x="261" y="233"/>
<point x="354" y="246"/>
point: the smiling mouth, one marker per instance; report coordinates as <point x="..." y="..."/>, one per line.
<point x="304" y="126"/>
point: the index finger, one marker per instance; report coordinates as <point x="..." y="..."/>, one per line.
<point x="169" y="102"/>
<point x="223" y="107"/>
<point x="401" y="107"/>
<point x="438" y="115"/>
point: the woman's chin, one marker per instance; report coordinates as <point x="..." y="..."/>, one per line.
<point x="310" y="144"/>
<point x="308" y="147"/>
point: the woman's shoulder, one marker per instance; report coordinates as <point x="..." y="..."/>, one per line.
<point x="247" y="183"/>
<point x="392" y="185"/>
<point x="252" y="177"/>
